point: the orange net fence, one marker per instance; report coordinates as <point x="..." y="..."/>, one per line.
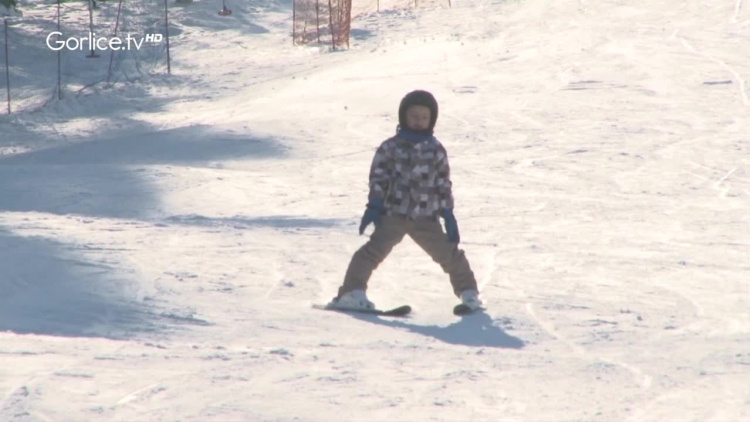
<point x="330" y="21"/>
<point x="322" y="21"/>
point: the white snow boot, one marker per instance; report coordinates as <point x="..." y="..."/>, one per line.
<point x="470" y="298"/>
<point x="356" y="299"/>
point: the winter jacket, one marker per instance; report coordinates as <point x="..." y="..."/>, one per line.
<point x="412" y="178"/>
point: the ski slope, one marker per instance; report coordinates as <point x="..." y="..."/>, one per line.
<point x="162" y="242"/>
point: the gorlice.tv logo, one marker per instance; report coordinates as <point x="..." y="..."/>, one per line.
<point x="92" y="42"/>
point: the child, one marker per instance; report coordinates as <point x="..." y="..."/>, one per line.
<point x="410" y="187"/>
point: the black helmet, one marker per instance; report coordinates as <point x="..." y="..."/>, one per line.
<point x="422" y="98"/>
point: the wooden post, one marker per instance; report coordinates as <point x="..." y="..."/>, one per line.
<point x="317" y="18"/>
<point x="294" y="22"/>
<point x="92" y="54"/>
<point x="7" y="63"/>
<point x="166" y="30"/>
<point x="330" y="23"/>
<point x="59" y="56"/>
<point x="112" y="52"/>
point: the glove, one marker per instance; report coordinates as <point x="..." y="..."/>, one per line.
<point x="451" y="225"/>
<point x="372" y="214"/>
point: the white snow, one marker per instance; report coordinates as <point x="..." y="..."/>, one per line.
<point x="162" y="241"/>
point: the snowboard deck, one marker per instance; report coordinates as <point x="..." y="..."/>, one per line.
<point x="399" y="311"/>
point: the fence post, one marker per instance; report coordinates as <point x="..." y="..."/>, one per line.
<point x="317" y="18"/>
<point x="92" y="54"/>
<point x="166" y="30"/>
<point x="112" y="52"/>
<point x="7" y="62"/>
<point x="59" y="52"/>
<point x="294" y="22"/>
<point x="330" y="23"/>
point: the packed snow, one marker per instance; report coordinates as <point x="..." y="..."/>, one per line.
<point x="163" y="238"/>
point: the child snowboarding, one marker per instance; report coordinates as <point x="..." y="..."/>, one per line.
<point x="410" y="189"/>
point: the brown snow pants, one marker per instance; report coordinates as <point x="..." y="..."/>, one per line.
<point x="426" y="233"/>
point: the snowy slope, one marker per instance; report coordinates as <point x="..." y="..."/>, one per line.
<point x="161" y="242"/>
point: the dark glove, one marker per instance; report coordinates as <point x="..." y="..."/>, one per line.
<point x="373" y="212"/>
<point x="451" y="225"/>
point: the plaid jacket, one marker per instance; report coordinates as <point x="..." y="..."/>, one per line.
<point x="412" y="178"/>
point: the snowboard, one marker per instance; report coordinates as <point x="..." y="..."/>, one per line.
<point x="399" y="311"/>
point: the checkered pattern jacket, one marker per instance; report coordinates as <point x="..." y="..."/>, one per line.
<point x="411" y="178"/>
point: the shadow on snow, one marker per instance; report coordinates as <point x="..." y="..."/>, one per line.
<point x="48" y="287"/>
<point x="238" y="222"/>
<point x="48" y="290"/>
<point x="476" y="330"/>
<point x="51" y="288"/>
<point x="101" y="178"/>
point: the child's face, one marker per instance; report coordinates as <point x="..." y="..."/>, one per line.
<point x="418" y="117"/>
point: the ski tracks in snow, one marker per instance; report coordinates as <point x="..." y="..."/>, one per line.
<point x="644" y="380"/>
<point x="741" y="82"/>
<point x="717" y="178"/>
<point x="737" y="8"/>
<point x="145" y="392"/>
<point x="491" y="269"/>
<point x="15" y="401"/>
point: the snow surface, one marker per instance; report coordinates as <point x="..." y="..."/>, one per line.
<point x="162" y="241"/>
